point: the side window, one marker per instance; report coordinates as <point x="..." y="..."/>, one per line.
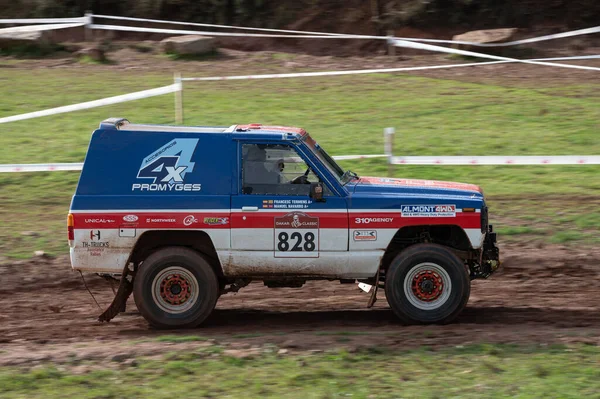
<point x="275" y="169"/>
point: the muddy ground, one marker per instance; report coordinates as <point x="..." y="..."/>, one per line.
<point x="541" y="296"/>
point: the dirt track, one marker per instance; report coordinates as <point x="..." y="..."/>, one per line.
<point x="544" y="295"/>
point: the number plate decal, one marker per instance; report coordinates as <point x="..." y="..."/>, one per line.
<point x="296" y="236"/>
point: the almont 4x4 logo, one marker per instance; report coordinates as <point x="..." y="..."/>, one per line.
<point x="166" y="168"/>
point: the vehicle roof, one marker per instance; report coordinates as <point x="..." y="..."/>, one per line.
<point x="124" y="124"/>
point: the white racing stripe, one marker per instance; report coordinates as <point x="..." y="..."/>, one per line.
<point x="440" y="49"/>
<point x="96" y="103"/>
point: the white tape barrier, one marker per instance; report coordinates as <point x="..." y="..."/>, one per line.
<point x="55" y="167"/>
<point x="440" y="49"/>
<point x="308" y="34"/>
<point x="347" y="157"/>
<point x="555" y="36"/>
<point x="40" y="167"/>
<point x="578" y="32"/>
<point x="36" y="28"/>
<point x="96" y="103"/>
<point x="383" y="70"/>
<point x="216" y="26"/>
<point x="177" y="86"/>
<point x="44" y="20"/>
<point x="396" y="160"/>
<point x="498" y="160"/>
<point x="227" y="34"/>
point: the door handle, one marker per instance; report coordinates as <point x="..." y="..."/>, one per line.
<point x="249" y="209"/>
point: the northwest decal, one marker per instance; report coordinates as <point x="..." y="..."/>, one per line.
<point x="296" y="236"/>
<point x="166" y="168"/>
<point x="428" y="211"/>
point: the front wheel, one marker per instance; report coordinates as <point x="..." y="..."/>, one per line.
<point x="175" y="287"/>
<point x="427" y="283"/>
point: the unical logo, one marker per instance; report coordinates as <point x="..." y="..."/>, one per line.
<point x="130" y="218"/>
<point x="189" y="220"/>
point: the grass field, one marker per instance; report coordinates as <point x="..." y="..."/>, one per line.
<point x="490" y="371"/>
<point x="346" y="115"/>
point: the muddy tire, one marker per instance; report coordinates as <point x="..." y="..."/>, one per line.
<point x="427" y="284"/>
<point x="175" y="287"/>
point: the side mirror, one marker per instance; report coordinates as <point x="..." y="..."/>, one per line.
<point x="316" y="192"/>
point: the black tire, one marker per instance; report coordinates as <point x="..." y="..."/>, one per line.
<point x="413" y="281"/>
<point x="182" y="273"/>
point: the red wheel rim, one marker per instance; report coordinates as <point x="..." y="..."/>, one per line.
<point x="427" y="285"/>
<point x="175" y="289"/>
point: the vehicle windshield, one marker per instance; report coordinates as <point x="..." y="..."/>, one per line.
<point x="329" y="162"/>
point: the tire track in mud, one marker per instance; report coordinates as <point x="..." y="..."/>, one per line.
<point x="540" y="296"/>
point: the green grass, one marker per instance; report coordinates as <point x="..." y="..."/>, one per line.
<point x="490" y="371"/>
<point x="180" y="338"/>
<point x="345" y="114"/>
<point x="517" y="230"/>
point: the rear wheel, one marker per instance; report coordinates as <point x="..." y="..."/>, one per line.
<point x="427" y="283"/>
<point x="175" y="287"/>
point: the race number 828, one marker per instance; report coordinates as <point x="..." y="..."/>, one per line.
<point x="301" y="243"/>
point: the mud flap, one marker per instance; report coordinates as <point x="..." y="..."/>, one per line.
<point x="373" y="297"/>
<point x="123" y="292"/>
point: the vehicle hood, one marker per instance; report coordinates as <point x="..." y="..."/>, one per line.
<point x="415" y="186"/>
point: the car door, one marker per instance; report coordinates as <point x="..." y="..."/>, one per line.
<point x="276" y="228"/>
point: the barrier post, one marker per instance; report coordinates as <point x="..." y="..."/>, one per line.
<point x="388" y="147"/>
<point x="391" y="45"/>
<point x="178" y="99"/>
<point x="86" y="28"/>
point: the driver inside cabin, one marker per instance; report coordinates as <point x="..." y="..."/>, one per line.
<point x="272" y="168"/>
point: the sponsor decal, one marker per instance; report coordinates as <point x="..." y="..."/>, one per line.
<point x="296" y="236"/>
<point x="373" y="220"/>
<point x="161" y="220"/>
<point x="95" y="251"/>
<point x="286" y="203"/>
<point x="130" y="218"/>
<point x="214" y="221"/>
<point x="95" y="247"/>
<point x="166" y="168"/>
<point x="95" y="244"/>
<point x="297" y="220"/>
<point x="99" y="220"/>
<point x="189" y="220"/>
<point x="364" y="235"/>
<point x="428" y="211"/>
